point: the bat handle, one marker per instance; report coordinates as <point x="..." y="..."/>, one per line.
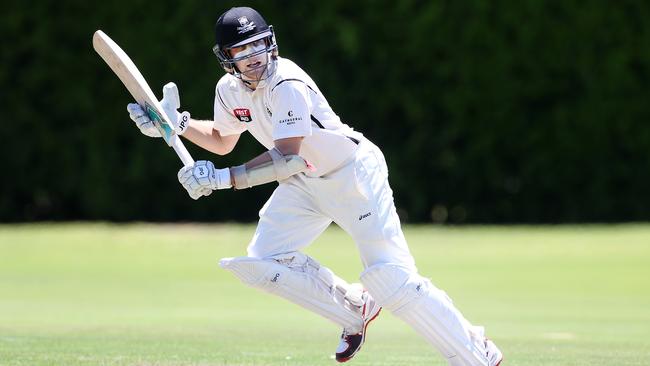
<point x="181" y="151"/>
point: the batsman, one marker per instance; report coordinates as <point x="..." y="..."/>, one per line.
<point x="327" y="172"/>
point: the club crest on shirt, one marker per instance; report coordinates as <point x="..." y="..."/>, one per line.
<point x="242" y="114"/>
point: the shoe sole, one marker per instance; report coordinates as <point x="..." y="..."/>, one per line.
<point x="363" y="338"/>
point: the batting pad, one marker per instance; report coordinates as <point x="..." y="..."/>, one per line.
<point x="303" y="281"/>
<point x="429" y="310"/>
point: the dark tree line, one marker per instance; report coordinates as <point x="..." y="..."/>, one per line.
<point x="487" y="111"/>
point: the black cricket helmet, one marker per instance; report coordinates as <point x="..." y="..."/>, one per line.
<point x="237" y="27"/>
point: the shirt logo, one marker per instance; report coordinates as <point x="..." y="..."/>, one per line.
<point x="242" y="114"/>
<point x="361" y="217"/>
<point x="245" y="25"/>
<point x="291" y="120"/>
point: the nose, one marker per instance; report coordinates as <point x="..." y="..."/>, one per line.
<point x="254" y="62"/>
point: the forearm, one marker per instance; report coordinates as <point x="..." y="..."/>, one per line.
<point x="259" y="160"/>
<point x="204" y="135"/>
<point x="290" y="146"/>
<point x="276" y="164"/>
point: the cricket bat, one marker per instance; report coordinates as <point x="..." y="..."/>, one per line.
<point x="135" y="83"/>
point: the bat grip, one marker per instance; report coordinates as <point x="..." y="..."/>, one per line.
<point x="181" y="151"/>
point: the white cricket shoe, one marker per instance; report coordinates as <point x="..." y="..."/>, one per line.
<point x="493" y="353"/>
<point x="351" y="343"/>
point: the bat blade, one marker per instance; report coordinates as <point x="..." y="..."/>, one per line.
<point x="135" y="83"/>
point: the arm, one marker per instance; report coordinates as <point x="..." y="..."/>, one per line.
<point x="288" y="146"/>
<point x="277" y="164"/>
<point x="202" y="134"/>
<point x="283" y="161"/>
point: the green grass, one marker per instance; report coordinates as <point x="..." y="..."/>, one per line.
<point x="81" y="294"/>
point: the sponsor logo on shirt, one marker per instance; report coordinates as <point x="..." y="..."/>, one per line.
<point x="242" y="114"/>
<point x="290" y="121"/>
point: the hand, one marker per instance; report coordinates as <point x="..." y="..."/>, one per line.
<point x="170" y="103"/>
<point x="202" y="178"/>
<point x="142" y="120"/>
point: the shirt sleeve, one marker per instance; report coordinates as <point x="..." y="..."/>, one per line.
<point x="291" y="110"/>
<point x="224" y="119"/>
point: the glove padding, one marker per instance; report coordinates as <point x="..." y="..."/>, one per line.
<point x="170" y="103"/>
<point x="142" y="120"/>
<point x="201" y="178"/>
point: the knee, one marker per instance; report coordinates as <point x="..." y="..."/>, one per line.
<point x="270" y="272"/>
<point x="252" y="271"/>
<point x="396" y="287"/>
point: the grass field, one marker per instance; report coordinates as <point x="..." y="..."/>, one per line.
<point x="94" y="294"/>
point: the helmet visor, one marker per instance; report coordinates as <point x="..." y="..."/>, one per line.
<point x="254" y="38"/>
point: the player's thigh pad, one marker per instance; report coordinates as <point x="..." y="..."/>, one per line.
<point x="427" y="309"/>
<point x="303" y="281"/>
<point x="289" y="220"/>
<point x="359" y="199"/>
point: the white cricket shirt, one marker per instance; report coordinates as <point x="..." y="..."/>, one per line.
<point x="288" y="104"/>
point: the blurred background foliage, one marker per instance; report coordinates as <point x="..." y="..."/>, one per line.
<point x="533" y="111"/>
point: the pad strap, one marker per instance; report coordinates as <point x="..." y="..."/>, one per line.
<point x="279" y="168"/>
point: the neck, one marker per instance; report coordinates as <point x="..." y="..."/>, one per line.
<point x="252" y="85"/>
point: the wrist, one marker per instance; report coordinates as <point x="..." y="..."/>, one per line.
<point x="223" y="179"/>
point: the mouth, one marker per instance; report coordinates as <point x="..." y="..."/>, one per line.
<point x="255" y="68"/>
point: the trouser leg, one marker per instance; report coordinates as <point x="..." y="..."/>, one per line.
<point x="302" y="280"/>
<point x="391" y="276"/>
<point x="428" y="310"/>
<point x="289" y="222"/>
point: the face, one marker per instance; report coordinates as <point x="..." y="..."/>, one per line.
<point x="253" y="67"/>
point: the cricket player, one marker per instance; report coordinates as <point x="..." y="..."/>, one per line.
<point x="327" y="172"/>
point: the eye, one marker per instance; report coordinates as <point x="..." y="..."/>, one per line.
<point x="244" y="50"/>
<point x="259" y="42"/>
<point x="236" y="50"/>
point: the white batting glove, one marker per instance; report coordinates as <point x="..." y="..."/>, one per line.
<point x="170" y="103"/>
<point x="202" y="178"/>
<point x="142" y="120"/>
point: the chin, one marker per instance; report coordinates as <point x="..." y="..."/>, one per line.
<point x="255" y="75"/>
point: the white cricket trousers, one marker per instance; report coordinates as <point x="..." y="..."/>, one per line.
<point x="356" y="196"/>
